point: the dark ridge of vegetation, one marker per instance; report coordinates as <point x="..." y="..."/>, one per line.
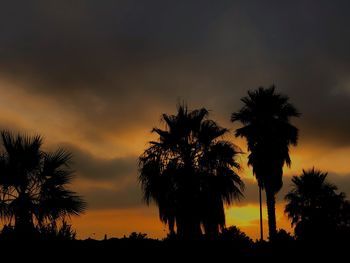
<point x="130" y="249"/>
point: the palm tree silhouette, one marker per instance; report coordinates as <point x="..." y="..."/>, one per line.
<point x="33" y="184"/>
<point x="190" y="173"/>
<point x="315" y="208"/>
<point x="268" y="131"/>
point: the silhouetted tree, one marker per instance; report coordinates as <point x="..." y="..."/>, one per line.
<point x="269" y="133"/>
<point x="57" y="231"/>
<point x="234" y="234"/>
<point x="315" y="208"/>
<point x="190" y="173"/>
<point x="137" y="236"/>
<point x="283" y="237"/>
<point x="33" y="185"/>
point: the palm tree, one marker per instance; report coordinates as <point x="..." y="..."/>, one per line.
<point x="33" y="184"/>
<point x="315" y="208"/>
<point x="190" y="173"/>
<point x="269" y="133"/>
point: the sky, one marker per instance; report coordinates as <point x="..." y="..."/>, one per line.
<point x="95" y="77"/>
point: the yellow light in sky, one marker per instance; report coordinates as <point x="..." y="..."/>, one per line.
<point x="247" y="219"/>
<point x="120" y="222"/>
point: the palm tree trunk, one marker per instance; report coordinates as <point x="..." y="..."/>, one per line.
<point x="261" y="221"/>
<point x="23" y="217"/>
<point x="270" y="201"/>
<point x="189" y="229"/>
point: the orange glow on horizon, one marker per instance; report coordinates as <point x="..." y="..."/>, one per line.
<point x="117" y="223"/>
<point x="247" y="219"/>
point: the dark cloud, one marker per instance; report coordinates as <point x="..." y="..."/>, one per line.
<point x="131" y="196"/>
<point x="98" y="169"/>
<point x="342" y="181"/>
<point x="117" y="65"/>
<point x="101" y="198"/>
<point x="101" y="58"/>
<point x="251" y="194"/>
<point x="120" y="173"/>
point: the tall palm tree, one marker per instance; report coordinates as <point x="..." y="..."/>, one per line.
<point x="269" y="133"/>
<point x="190" y="173"/>
<point x="33" y="184"/>
<point x="315" y="207"/>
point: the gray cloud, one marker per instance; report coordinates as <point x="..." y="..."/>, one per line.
<point x="117" y="65"/>
<point x="99" y="169"/>
<point x="251" y="194"/>
<point x="102" y="58"/>
<point x="342" y="181"/>
<point x="119" y="173"/>
<point x="101" y="198"/>
<point x="131" y="196"/>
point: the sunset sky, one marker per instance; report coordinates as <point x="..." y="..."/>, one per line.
<point x="94" y="77"/>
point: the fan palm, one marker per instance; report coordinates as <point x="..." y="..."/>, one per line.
<point x="269" y="133"/>
<point x="190" y="173"/>
<point x="33" y="184"/>
<point x="314" y="206"/>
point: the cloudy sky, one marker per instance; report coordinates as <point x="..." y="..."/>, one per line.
<point x="95" y="77"/>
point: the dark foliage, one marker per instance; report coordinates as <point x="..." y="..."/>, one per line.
<point x="34" y="195"/>
<point x="266" y="118"/>
<point x="190" y="173"/>
<point x="317" y="211"/>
